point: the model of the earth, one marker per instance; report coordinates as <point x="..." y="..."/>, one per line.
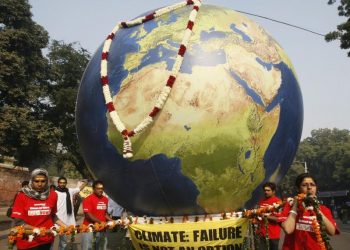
<point x="233" y="119"/>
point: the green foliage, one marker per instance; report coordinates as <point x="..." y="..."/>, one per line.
<point x="343" y="29"/>
<point x="286" y="187"/>
<point x="24" y="130"/>
<point x="38" y="93"/>
<point x="67" y="63"/>
<point x="327" y="153"/>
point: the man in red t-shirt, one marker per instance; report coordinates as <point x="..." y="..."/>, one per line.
<point x="35" y="207"/>
<point x="272" y="225"/>
<point x="95" y="211"/>
<point x="36" y="213"/>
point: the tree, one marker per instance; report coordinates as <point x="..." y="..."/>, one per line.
<point x="24" y="130"/>
<point x="343" y="29"/>
<point x="327" y="153"/>
<point x="286" y="187"/>
<point x="67" y="64"/>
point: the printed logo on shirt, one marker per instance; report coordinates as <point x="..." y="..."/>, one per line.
<point x="39" y="209"/>
<point x="304" y="227"/>
<point x="304" y="223"/>
<point x="310" y="218"/>
<point x="101" y="206"/>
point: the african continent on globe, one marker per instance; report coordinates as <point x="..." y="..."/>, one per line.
<point x="232" y="121"/>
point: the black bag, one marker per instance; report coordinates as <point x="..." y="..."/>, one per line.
<point x="9" y="210"/>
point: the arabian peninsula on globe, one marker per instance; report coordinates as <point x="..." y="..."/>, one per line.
<point x="233" y="119"/>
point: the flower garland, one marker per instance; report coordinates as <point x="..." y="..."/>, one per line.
<point x="311" y="204"/>
<point x="266" y="224"/>
<point x="305" y="203"/>
<point x="253" y="213"/>
<point x="20" y="232"/>
<point x="256" y="214"/>
<point x="318" y="226"/>
<point x="163" y="96"/>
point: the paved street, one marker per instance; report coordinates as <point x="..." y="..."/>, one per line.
<point x="342" y="241"/>
<point x="117" y="242"/>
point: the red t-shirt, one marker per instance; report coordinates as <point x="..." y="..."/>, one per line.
<point x="97" y="206"/>
<point x="303" y="236"/>
<point x="273" y="227"/>
<point x="36" y="213"/>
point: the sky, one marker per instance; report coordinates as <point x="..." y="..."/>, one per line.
<point x="322" y="68"/>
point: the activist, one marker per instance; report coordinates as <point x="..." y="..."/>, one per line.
<point x="299" y="222"/>
<point x="65" y="206"/>
<point x="269" y="220"/>
<point x="35" y="207"/>
<point x="79" y="197"/>
<point x="114" y="209"/>
<point x="118" y="234"/>
<point x="95" y="210"/>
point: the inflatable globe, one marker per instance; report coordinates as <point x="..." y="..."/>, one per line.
<point x="232" y="121"/>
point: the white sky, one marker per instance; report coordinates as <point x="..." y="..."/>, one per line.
<point x="323" y="69"/>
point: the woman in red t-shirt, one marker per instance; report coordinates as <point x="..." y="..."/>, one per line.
<point x="297" y="224"/>
<point x="35" y="207"/>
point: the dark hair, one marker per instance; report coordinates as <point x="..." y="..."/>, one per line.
<point x="271" y="185"/>
<point x="97" y="182"/>
<point x="62" y="178"/>
<point x="24" y="183"/>
<point x="301" y="177"/>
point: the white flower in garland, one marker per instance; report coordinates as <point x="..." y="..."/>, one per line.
<point x="31" y="237"/>
<point x="290" y="201"/>
<point x="91" y="228"/>
<point x="163" y="96"/>
<point x="310" y="208"/>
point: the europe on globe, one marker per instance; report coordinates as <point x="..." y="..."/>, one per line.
<point x="233" y="119"/>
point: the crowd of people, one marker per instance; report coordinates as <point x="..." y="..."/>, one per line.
<point x="38" y="205"/>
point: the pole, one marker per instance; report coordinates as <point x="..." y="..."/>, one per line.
<point x="305" y="167"/>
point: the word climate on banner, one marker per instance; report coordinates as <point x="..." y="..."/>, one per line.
<point x="210" y="235"/>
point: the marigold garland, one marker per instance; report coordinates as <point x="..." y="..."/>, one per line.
<point x="312" y="205"/>
<point x="317" y="231"/>
<point x="304" y="203"/>
<point x="252" y="213"/>
<point x="266" y="224"/>
<point x="163" y="96"/>
<point x="20" y="232"/>
<point x="256" y="214"/>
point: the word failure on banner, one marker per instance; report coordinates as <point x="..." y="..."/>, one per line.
<point x="210" y="235"/>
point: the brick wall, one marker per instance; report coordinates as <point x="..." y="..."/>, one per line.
<point x="11" y="178"/>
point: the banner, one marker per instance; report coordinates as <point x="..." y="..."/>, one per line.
<point x="210" y="235"/>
